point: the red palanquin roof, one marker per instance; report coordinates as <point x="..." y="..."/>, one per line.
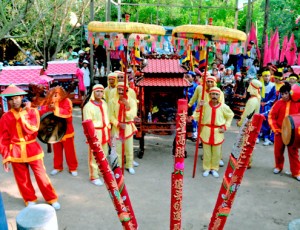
<point x="164" y="81"/>
<point x="163" y="66"/>
<point x="20" y="75"/>
<point x="61" y="67"/>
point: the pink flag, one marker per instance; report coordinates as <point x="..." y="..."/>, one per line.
<point x="298" y="60"/>
<point x="291" y="51"/>
<point x="274" y="47"/>
<point x="252" y="37"/>
<point x="267" y="58"/>
<point x="283" y="50"/>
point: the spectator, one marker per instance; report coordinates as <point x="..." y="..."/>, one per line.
<point x="115" y="59"/>
<point x="101" y="58"/>
<point x="86" y="75"/>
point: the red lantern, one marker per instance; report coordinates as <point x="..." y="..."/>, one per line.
<point x="127" y="17"/>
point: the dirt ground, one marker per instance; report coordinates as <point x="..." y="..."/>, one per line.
<point x="264" y="200"/>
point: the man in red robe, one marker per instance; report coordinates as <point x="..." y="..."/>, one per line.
<point x="282" y="108"/>
<point x="18" y="146"/>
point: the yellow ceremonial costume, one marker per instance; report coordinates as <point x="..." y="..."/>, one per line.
<point x="109" y="87"/>
<point x="131" y="93"/>
<point x="214" y="118"/>
<point x="98" y="113"/>
<point x="253" y="103"/>
<point x="117" y="111"/>
<point x="198" y="93"/>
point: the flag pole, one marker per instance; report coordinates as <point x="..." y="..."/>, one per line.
<point x="201" y="112"/>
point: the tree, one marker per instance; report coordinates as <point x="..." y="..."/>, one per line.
<point x="11" y="14"/>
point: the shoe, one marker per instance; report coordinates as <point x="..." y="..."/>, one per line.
<point x="194" y="139"/>
<point x="288" y="173"/>
<point x="54" y="172"/>
<point x="297" y="178"/>
<point x="56" y="205"/>
<point x="206" y="173"/>
<point x="135" y="164"/>
<point x="215" y="173"/>
<point x="221" y="163"/>
<point x="201" y="145"/>
<point x="31" y="203"/>
<point x="257" y="140"/>
<point x="276" y="170"/>
<point x="267" y="142"/>
<point x="97" y="182"/>
<point x="131" y="171"/>
<point x="74" y="173"/>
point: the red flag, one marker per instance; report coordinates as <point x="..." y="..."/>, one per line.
<point x="267" y="58"/>
<point x="298" y="60"/>
<point x="291" y="51"/>
<point x="252" y="37"/>
<point x="283" y="50"/>
<point x="274" y="47"/>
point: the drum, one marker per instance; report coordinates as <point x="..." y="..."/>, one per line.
<point x="291" y="130"/>
<point x="52" y="128"/>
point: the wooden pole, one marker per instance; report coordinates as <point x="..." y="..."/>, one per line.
<point x="200" y="115"/>
<point x="199" y="11"/>
<point x="267" y="9"/>
<point x="92" y="45"/>
<point x="236" y="18"/>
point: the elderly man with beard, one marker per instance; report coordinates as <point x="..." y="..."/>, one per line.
<point x="216" y="119"/>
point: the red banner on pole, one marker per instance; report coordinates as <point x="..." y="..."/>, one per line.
<point x="177" y="175"/>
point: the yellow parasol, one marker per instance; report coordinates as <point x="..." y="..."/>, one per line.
<point x="125" y="27"/>
<point x="207" y="33"/>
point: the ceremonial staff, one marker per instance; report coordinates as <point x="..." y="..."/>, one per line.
<point x="113" y="157"/>
<point x="237" y="165"/>
<point x="109" y="180"/>
<point x="177" y="175"/>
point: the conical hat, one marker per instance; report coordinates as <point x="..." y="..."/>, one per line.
<point x="12" y="90"/>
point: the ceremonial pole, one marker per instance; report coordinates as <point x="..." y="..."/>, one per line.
<point x="200" y="115"/>
<point x="120" y="181"/>
<point x="109" y="180"/>
<point x="234" y="173"/>
<point x="177" y="175"/>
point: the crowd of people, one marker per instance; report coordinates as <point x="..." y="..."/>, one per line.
<point x="265" y="91"/>
<point x="113" y="110"/>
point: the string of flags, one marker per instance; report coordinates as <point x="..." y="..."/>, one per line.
<point x="119" y="41"/>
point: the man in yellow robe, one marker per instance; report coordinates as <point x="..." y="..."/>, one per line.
<point x="122" y="111"/>
<point x="215" y="121"/>
<point x="253" y="103"/>
<point x="97" y="111"/>
<point x="211" y="81"/>
<point x="120" y="76"/>
<point x="112" y="82"/>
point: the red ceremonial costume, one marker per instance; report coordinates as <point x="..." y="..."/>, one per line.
<point x="18" y="146"/>
<point x="279" y="111"/>
<point x="62" y="107"/>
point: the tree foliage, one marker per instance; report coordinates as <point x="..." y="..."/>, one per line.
<point x="44" y="25"/>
